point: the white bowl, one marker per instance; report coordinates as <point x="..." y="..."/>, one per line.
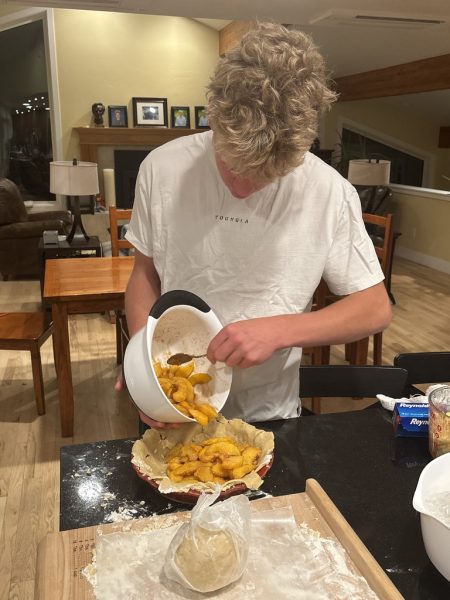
<point x="434" y="479"/>
<point x="179" y="321"/>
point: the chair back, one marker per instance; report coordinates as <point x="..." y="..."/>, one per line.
<point x="353" y="381"/>
<point x="424" y="367"/>
<point x="320" y="296"/>
<point x="380" y="229"/>
<point x="384" y="251"/>
<point x="318" y="301"/>
<point x="117" y="216"/>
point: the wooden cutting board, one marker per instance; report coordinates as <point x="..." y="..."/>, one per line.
<point x="62" y="556"/>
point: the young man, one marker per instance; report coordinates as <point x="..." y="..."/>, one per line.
<point x="246" y="218"/>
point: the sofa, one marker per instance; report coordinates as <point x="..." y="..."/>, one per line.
<point x="20" y="232"/>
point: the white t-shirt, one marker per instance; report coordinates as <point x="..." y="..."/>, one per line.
<point x="260" y="256"/>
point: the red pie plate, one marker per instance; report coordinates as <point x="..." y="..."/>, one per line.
<point x="191" y="496"/>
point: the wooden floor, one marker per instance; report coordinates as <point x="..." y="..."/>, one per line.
<point x="29" y="445"/>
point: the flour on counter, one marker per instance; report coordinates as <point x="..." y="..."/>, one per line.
<point x="285" y="561"/>
<point x="122" y="514"/>
<point x="90" y="570"/>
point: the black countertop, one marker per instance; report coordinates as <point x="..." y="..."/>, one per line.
<point x="370" y="476"/>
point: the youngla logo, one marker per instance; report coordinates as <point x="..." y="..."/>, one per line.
<point x="232" y="219"/>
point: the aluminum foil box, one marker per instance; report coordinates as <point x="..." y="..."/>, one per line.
<point x="410" y="419"/>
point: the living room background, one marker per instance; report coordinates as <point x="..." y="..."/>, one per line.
<point x="111" y="57"/>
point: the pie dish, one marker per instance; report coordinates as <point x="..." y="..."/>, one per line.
<point x="149" y="457"/>
<point x="191" y="496"/>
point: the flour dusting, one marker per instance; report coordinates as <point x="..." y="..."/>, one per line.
<point x="285" y="561"/>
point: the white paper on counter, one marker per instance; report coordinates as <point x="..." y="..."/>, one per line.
<point x="285" y="561"/>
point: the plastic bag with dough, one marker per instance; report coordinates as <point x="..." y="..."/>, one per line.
<point x="211" y="550"/>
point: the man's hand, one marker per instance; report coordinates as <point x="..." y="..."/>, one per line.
<point x="157" y="424"/>
<point x="119" y="386"/>
<point x="245" y="343"/>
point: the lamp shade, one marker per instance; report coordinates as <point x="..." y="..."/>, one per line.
<point x="369" y="172"/>
<point x="68" y="179"/>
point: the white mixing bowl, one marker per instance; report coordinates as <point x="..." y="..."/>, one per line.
<point x="434" y="482"/>
<point x="179" y="321"/>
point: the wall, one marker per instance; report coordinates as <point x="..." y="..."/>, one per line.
<point x="111" y="57"/>
<point x="422" y="220"/>
<point x="424" y="225"/>
<point x="11" y="9"/>
<point x="409" y="126"/>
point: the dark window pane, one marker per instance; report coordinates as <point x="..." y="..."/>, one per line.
<point x="25" y="132"/>
<point x="405" y="168"/>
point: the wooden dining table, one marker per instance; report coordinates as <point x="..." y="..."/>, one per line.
<point x="74" y="286"/>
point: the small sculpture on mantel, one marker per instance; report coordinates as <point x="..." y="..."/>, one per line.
<point x="98" y="110"/>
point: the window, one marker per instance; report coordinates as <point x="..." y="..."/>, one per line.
<point x="26" y="131"/>
<point x="406" y="169"/>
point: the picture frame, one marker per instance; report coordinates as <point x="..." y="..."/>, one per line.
<point x="201" y="120"/>
<point x="150" y="112"/>
<point x="180" y="117"/>
<point x="117" y="116"/>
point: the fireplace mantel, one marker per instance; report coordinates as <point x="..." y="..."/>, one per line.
<point x="92" y="137"/>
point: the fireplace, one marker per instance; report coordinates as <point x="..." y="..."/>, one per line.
<point x="126" y="167"/>
<point x="123" y="139"/>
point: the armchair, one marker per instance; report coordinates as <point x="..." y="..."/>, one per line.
<point x="20" y="232"/>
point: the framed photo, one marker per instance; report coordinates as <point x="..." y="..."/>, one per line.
<point x="180" y="117"/>
<point x="150" y="112"/>
<point x="117" y="116"/>
<point x="201" y="120"/>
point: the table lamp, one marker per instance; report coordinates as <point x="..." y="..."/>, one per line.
<point x="369" y="171"/>
<point x="371" y="177"/>
<point x="74" y="179"/>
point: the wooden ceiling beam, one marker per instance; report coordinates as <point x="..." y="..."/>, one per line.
<point x="232" y="33"/>
<point x="426" y="75"/>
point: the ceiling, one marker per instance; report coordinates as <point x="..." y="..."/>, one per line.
<point x="349" y="44"/>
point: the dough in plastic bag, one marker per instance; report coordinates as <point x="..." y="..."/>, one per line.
<point x="211" y="550"/>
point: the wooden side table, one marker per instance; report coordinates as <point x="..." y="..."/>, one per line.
<point x="84" y="249"/>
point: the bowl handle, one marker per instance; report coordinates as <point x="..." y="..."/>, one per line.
<point x="175" y="298"/>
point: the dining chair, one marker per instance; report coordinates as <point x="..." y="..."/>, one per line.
<point x="28" y="331"/>
<point x="318" y="302"/>
<point x="423" y="368"/>
<point x="381" y="232"/>
<point x="117" y="217"/>
<point x="353" y="381"/>
<point x="316" y="353"/>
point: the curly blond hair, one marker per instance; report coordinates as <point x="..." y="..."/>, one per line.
<point x="265" y="99"/>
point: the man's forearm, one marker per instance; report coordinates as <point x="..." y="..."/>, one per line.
<point x="251" y="342"/>
<point x="352" y="318"/>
